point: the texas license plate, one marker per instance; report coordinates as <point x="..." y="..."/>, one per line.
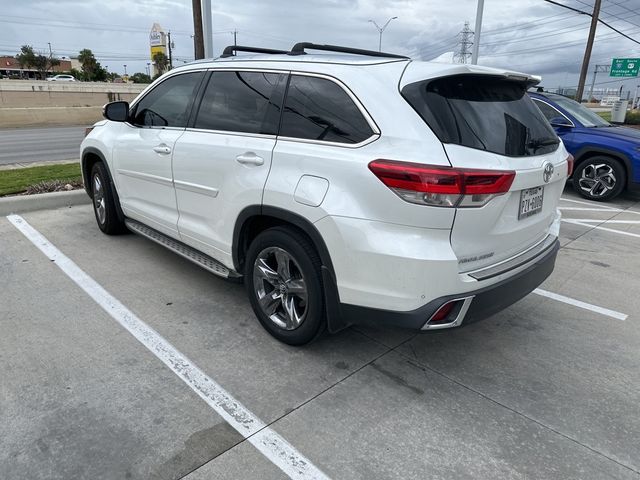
<point x="530" y="202"/>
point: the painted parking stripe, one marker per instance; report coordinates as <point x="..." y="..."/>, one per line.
<point x="598" y="227"/>
<point x="268" y="442"/>
<point x="581" y="304"/>
<point x="583" y="202"/>
<point x="591" y="220"/>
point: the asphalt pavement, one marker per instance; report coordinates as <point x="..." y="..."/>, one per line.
<point x="546" y="389"/>
<point x="42" y="144"/>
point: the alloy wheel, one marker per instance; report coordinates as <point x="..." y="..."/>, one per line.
<point x="597" y="179"/>
<point x="280" y="287"/>
<point x="98" y="199"/>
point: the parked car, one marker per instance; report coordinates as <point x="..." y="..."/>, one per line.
<point x="344" y="187"/>
<point x="607" y="156"/>
<point x="61" y="78"/>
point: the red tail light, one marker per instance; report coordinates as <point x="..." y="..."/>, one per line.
<point x="442" y="186"/>
<point x="570" y="164"/>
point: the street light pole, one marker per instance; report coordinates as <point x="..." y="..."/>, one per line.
<point x="476" y="35"/>
<point x="381" y="30"/>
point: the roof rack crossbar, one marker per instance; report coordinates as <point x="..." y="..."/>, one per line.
<point x="232" y="49"/>
<point x="298" y="49"/>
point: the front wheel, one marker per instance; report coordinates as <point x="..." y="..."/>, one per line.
<point x="104" y="206"/>
<point x="599" y="178"/>
<point x="284" y="284"/>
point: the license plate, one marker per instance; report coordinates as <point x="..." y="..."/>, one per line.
<point x="530" y="202"/>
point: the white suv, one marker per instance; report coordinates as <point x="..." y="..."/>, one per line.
<point x="346" y="187"/>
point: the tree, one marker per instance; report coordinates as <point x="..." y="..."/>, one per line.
<point x="27" y="58"/>
<point x="88" y="63"/>
<point x="161" y="61"/>
<point x="140" y="78"/>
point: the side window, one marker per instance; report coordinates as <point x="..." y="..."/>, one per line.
<point x="547" y="110"/>
<point x="319" y="109"/>
<point x="240" y="102"/>
<point x="168" y="104"/>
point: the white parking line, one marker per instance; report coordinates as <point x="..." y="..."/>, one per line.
<point x="591" y="220"/>
<point x="581" y="304"/>
<point x="599" y="205"/>
<point x="597" y="227"/>
<point x="268" y="442"/>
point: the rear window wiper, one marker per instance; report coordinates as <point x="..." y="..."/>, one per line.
<point x="543" y="142"/>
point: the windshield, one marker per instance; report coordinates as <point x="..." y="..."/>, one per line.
<point x="483" y="112"/>
<point x="585" y="116"/>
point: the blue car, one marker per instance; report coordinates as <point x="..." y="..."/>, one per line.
<point x="607" y="157"/>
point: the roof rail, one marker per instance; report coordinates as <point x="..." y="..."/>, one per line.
<point x="298" y="49"/>
<point x="231" y="49"/>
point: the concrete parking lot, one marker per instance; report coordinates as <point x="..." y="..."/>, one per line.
<point x="547" y="389"/>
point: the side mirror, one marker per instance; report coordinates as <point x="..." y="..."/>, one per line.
<point x="560" y="122"/>
<point x="116" y="111"/>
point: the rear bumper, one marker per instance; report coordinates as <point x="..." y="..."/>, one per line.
<point x="482" y="304"/>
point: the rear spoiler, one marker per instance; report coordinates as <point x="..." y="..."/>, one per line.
<point x="417" y="71"/>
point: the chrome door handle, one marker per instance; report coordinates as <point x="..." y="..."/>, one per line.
<point x="162" y="149"/>
<point x="250" y="158"/>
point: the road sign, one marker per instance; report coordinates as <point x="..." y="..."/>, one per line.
<point x="624" y="67"/>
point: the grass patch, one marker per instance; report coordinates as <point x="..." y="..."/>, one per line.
<point x="632" y="118"/>
<point x="19" y="180"/>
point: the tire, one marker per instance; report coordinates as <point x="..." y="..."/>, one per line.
<point x="599" y="178"/>
<point x="284" y="285"/>
<point x="104" y="206"/>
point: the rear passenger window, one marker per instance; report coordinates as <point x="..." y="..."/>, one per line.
<point x="319" y="109"/>
<point x="240" y="102"/>
<point x="168" y="104"/>
<point x="547" y="110"/>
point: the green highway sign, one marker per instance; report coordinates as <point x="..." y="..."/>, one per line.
<point x="624" y="67"/>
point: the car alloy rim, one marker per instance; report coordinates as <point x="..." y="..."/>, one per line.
<point x="280" y="288"/>
<point x="98" y="199"/>
<point x="597" y="179"/>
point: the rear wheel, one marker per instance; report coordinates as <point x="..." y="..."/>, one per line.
<point x="104" y="206"/>
<point x="599" y="178"/>
<point x="284" y="284"/>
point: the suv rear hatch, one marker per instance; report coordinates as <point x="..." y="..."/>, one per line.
<point x="486" y="121"/>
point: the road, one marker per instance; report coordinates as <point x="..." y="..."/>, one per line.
<point x="546" y="389"/>
<point x="29" y="145"/>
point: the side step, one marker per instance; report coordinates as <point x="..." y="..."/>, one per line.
<point x="199" y="258"/>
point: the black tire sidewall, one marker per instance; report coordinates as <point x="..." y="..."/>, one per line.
<point x="112" y="224"/>
<point x="304" y="254"/>
<point x="618" y="168"/>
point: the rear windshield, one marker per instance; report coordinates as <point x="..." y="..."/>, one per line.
<point x="483" y="112"/>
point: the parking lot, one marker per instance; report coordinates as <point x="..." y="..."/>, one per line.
<point x="547" y="389"/>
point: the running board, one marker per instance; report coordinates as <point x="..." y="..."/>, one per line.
<point x="185" y="251"/>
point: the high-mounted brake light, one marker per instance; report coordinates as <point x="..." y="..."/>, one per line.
<point x="442" y="186"/>
<point x="570" y="164"/>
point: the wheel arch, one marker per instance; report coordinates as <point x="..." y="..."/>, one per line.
<point x="91" y="156"/>
<point x="256" y="218"/>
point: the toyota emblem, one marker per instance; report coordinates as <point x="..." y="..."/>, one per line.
<point x="547" y="173"/>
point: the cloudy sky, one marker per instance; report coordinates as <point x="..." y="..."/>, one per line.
<point x="527" y="35"/>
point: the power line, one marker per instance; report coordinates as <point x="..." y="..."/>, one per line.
<point x="598" y="19"/>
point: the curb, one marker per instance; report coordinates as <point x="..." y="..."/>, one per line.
<point x="42" y="201"/>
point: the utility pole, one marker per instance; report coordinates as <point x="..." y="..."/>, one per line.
<point x="381" y="30"/>
<point x="235" y="38"/>
<point x="198" y="41"/>
<point x="170" y="46"/>
<point x="463" y="55"/>
<point x="207" y="29"/>
<point x="588" y="49"/>
<point x="476" y="38"/>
